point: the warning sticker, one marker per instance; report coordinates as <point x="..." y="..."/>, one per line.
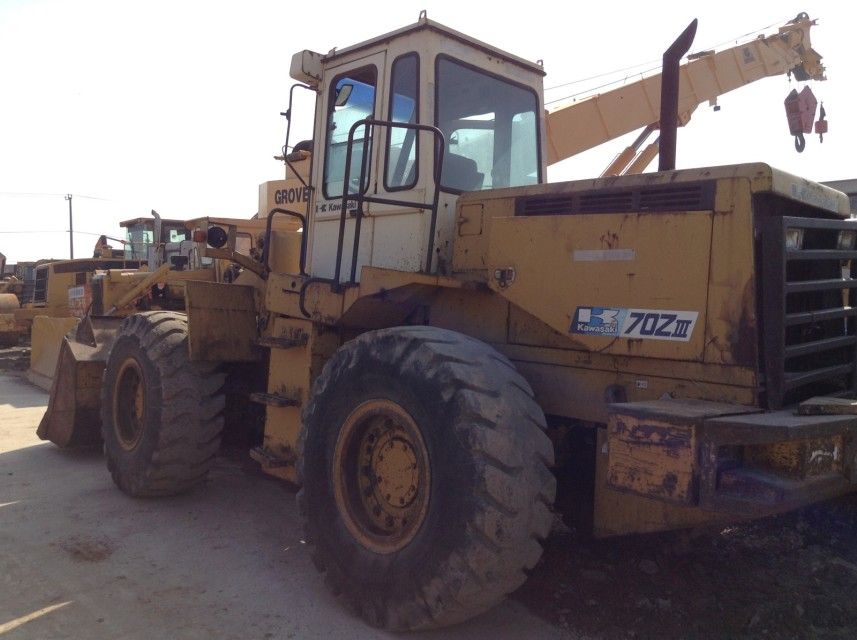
<point x="646" y="324"/>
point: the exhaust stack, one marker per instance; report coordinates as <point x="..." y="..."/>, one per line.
<point x="669" y="96"/>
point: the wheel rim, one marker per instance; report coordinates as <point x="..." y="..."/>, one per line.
<point x="381" y="476"/>
<point x="129" y="404"/>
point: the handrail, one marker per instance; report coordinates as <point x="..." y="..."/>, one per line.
<point x="266" y="249"/>
<point x="360" y="198"/>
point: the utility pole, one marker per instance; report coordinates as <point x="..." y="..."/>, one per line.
<point x="70" y="230"/>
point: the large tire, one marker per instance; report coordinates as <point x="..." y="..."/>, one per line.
<point x="10" y="339"/>
<point x="472" y="475"/>
<point x="161" y="415"/>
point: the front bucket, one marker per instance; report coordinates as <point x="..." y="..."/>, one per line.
<point x="46" y="340"/>
<point x="73" y="416"/>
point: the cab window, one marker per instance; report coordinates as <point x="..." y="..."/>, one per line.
<point x="491" y="129"/>
<point x="353" y="99"/>
<point x="139" y="237"/>
<point x="403" y="144"/>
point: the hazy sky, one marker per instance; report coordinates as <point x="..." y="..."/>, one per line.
<point x="174" y="105"/>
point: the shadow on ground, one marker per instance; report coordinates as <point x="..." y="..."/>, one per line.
<point x="790" y="576"/>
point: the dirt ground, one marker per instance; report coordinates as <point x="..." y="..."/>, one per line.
<point x="80" y="560"/>
<point x="791" y="576"/>
<point x="227" y="562"/>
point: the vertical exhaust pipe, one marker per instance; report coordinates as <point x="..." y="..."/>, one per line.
<point x="669" y="96"/>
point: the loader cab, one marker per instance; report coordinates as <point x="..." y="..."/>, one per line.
<point x="155" y="240"/>
<point x="485" y="109"/>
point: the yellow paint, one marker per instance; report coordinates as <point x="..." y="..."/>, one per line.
<point x="619" y="513"/>
<point x="291" y="373"/>
<point x="550" y="284"/>
<point x="652" y="458"/>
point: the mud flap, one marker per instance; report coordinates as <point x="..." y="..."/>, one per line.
<point x="73" y="415"/>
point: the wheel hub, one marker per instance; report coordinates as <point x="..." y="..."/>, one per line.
<point x="129" y="404"/>
<point x="381" y="475"/>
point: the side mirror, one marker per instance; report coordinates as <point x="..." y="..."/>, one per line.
<point x="342" y="95"/>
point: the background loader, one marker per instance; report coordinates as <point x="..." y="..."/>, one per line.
<point x="448" y="336"/>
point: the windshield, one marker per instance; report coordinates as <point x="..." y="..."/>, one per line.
<point x="490" y="126"/>
<point x="139" y="238"/>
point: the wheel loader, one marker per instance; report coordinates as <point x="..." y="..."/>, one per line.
<point x="455" y="348"/>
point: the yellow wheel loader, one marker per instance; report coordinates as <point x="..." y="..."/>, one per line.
<point x="69" y="354"/>
<point x="448" y="336"/>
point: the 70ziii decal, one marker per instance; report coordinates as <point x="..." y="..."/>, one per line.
<point x="667" y="326"/>
<point x="641" y="324"/>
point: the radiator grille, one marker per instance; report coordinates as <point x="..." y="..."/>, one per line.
<point x="809" y="324"/>
<point x="696" y="196"/>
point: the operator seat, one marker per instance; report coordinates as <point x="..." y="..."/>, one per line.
<point x="460" y="172"/>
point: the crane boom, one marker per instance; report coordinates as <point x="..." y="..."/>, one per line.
<point x="582" y="125"/>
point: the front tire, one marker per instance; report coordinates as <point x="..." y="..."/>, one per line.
<point x="425" y="473"/>
<point x="161" y="415"/>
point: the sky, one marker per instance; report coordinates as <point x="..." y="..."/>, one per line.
<point x="174" y="105"/>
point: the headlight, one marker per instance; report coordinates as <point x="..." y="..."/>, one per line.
<point x="846" y="240"/>
<point x="794" y="238"/>
<point x="217" y="237"/>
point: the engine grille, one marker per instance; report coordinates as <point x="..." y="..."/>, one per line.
<point x="40" y="287"/>
<point x="686" y="196"/>
<point x="809" y="326"/>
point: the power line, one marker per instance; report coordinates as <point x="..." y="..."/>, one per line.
<point x="29" y="194"/>
<point x="87" y="233"/>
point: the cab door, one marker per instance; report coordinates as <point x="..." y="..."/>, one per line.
<point x="352" y="91"/>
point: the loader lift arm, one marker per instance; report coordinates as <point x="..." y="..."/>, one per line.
<point x="587" y="123"/>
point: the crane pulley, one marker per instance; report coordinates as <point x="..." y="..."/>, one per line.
<point x="800" y="113"/>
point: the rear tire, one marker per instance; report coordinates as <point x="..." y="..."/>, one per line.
<point x="161" y="415"/>
<point x="426" y="487"/>
<point x="9" y="340"/>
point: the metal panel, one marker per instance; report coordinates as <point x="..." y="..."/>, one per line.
<point x="652" y="458"/>
<point x="534" y="257"/>
<point x="221" y="322"/>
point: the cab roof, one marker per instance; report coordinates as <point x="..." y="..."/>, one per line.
<point x="424" y="24"/>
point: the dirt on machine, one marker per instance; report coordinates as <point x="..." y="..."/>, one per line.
<point x="453" y="350"/>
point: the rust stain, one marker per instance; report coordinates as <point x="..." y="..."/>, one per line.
<point x="742" y="338"/>
<point x="670" y="483"/>
<point x="651" y="458"/>
<point x="610" y="240"/>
